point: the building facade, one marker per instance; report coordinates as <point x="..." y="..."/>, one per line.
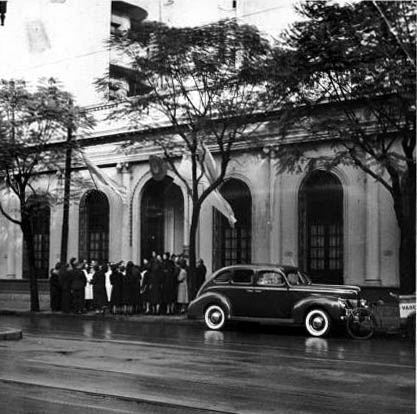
<point x="339" y="226"/>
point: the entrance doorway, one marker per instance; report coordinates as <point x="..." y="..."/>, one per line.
<point x="162" y="218"/>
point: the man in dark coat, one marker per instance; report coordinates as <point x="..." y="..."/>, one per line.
<point x="200" y="275"/>
<point x="116" y="279"/>
<point x="65" y="280"/>
<point x="129" y="289"/>
<point x="55" y="288"/>
<point x="169" y="284"/>
<point x="156" y="284"/>
<point x="99" y="289"/>
<point x="78" y="282"/>
<point x="136" y="279"/>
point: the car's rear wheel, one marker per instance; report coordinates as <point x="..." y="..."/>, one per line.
<point x="215" y="317"/>
<point x="317" y="322"/>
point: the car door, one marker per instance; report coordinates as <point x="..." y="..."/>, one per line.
<point x="240" y="291"/>
<point x="270" y="295"/>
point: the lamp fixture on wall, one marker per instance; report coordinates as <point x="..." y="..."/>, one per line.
<point x="3" y="10"/>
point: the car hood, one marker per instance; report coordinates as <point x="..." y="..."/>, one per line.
<point x="339" y="290"/>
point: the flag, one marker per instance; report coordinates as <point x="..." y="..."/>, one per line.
<point x="219" y="202"/>
<point x="209" y="176"/>
<point x="104" y="179"/>
<point x="210" y="165"/>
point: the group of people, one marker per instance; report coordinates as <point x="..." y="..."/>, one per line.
<point x="160" y="285"/>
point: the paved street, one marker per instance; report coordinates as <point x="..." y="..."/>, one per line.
<point x="73" y="365"/>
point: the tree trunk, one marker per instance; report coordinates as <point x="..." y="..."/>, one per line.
<point x="407" y="224"/>
<point x="407" y="259"/>
<point x="193" y="257"/>
<point x="67" y="189"/>
<point x="30" y="251"/>
<point x="405" y="211"/>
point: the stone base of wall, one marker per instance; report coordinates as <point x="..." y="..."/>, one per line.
<point x="20" y="302"/>
<point x="22" y="285"/>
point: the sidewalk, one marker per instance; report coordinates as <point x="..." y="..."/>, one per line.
<point x="19" y="304"/>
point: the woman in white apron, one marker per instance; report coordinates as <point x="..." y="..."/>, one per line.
<point x="108" y="284"/>
<point x="89" y="273"/>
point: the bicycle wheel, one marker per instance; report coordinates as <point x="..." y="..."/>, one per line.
<point x="361" y="323"/>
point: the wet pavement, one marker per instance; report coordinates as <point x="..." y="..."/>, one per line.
<point x="76" y="365"/>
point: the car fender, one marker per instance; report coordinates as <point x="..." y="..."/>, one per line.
<point x="330" y="304"/>
<point x="197" y="307"/>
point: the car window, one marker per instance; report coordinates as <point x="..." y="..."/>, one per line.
<point x="294" y="279"/>
<point x="242" y="276"/>
<point x="270" y="279"/>
<point x="223" y="278"/>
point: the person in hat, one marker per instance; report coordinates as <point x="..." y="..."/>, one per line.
<point x="78" y="282"/>
<point x="99" y="289"/>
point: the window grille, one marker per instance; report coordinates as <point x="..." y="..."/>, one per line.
<point x="233" y="245"/>
<point x="94" y="227"/>
<point x="40" y="216"/>
<point x="321" y="227"/>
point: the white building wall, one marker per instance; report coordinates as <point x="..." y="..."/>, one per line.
<point x="389" y="240"/>
<point x="66" y="40"/>
<point x="354" y="203"/>
<point x="55" y="234"/>
<point x="287" y="207"/>
<point x="370" y="252"/>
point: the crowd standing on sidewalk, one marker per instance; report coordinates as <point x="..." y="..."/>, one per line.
<point x="160" y="285"/>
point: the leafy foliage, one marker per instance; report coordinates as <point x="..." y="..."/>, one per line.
<point x="32" y="122"/>
<point x="206" y="83"/>
<point x="362" y="69"/>
<point x="354" y="69"/>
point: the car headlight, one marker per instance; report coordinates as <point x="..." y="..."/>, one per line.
<point x="343" y="303"/>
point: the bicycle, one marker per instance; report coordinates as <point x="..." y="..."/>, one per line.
<point x="361" y="322"/>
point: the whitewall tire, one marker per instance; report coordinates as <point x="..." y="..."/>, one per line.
<point x="317" y="322"/>
<point x="215" y="317"/>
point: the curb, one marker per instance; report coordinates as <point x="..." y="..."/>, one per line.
<point x="10" y="334"/>
<point x="174" y="319"/>
<point x="148" y="319"/>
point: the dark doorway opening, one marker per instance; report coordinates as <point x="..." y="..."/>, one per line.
<point x="162" y="218"/>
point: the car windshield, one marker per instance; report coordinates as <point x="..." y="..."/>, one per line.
<point x="296" y="278"/>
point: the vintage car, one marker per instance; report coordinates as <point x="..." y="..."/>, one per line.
<point x="272" y="293"/>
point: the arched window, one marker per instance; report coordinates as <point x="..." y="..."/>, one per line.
<point x="321" y="227"/>
<point x="94" y="226"/>
<point x="233" y="245"/>
<point x="40" y="217"/>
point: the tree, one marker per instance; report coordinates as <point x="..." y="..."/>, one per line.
<point x="208" y="83"/>
<point x="31" y="120"/>
<point x="354" y="69"/>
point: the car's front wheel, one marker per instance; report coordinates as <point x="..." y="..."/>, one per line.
<point x="317" y="322"/>
<point x="215" y="317"/>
